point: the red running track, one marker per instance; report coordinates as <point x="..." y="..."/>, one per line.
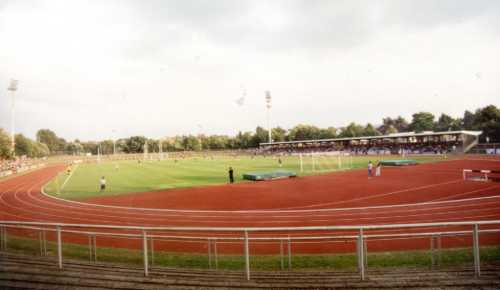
<point x="417" y="194"/>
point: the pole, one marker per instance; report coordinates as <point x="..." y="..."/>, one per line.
<point x="247" y="257"/>
<point x="268" y="106"/>
<point x="145" y="252"/>
<point x="12" y="127"/>
<point x="59" y="247"/>
<point x="209" y="249"/>
<point x="475" y="240"/>
<point x="12" y="88"/>
<point x="282" y="262"/>
<point x="152" y="246"/>
<point x="215" y="255"/>
<point x="361" y="260"/>
<point x="289" y="254"/>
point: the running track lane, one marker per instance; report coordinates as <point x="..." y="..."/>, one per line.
<point x="21" y="199"/>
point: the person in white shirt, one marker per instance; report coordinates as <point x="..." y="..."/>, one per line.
<point x="370" y="169"/>
<point x="102" y="183"/>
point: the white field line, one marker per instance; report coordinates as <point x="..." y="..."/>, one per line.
<point x="67" y="178"/>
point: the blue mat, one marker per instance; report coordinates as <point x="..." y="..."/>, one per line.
<point x="256" y="176"/>
<point x="401" y="162"/>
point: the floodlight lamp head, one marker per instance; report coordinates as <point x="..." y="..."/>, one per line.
<point x="268" y="96"/>
<point x="12" y="85"/>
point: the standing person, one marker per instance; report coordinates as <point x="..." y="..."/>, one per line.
<point x="102" y="183"/>
<point x="280" y="163"/>
<point x="378" y="168"/>
<point x="231" y="175"/>
<point x="370" y="169"/>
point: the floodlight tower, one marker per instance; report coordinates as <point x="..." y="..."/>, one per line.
<point x="12" y="88"/>
<point x="268" y="106"/>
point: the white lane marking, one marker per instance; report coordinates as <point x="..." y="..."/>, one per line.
<point x="379" y="218"/>
<point x="68" y="178"/>
<point x="465" y="193"/>
<point x="378" y="195"/>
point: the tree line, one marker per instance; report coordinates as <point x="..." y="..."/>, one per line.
<point x="485" y="119"/>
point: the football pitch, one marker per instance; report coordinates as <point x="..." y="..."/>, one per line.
<point x="149" y="175"/>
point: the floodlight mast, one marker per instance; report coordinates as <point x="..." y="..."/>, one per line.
<point x="268" y="106"/>
<point x="12" y="88"/>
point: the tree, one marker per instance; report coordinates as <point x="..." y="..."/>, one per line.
<point x="352" y="130"/>
<point x="387" y="123"/>
<point x="243" y="140"/>
<point x="401" y="124"/>
<point x="260" y="136"/>
<point x="369" y="130"/>
<point x="468" y="121"/>
<point x="5" y="145"/>
<point x="446" y="123"/>
<point x="54" y="143"/>
<point x="106" y="147"/>
<point x="135" y="144"/>
<point x="23" y="146"/>
<point x="40" y="150"/>
<point x="390" y="125"/>
<point x="328" y="133"/>
<point x="278" y="134"/>
<point x="422" y="121"/>
<point x="487" y="119"/>
<point x="304" y="132"/>
<point x="190" y="142"/>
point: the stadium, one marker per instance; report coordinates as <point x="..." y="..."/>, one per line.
<point x="128" y="195"/>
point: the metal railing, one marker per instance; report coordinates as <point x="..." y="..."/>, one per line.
<point x="359" y="234"/>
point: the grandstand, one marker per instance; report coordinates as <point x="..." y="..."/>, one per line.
<point x="427" y="142"/>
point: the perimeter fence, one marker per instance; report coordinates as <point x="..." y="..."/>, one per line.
<point x="150" y="241"/>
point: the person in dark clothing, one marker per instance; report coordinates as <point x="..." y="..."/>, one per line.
<point x="231" y="175"/>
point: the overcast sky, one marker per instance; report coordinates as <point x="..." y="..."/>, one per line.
<point x="107" y="69"/>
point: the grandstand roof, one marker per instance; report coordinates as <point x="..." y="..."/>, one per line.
<point x="390" y="136"/>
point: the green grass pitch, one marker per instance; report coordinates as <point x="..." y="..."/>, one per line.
<point x="131" y="176"/>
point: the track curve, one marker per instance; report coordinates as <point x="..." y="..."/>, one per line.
<point x="425" y="193"/>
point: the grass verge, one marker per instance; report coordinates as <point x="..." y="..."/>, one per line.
<point x="417" y="259"/>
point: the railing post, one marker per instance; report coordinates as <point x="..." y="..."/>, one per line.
<point x="3" y="243"/>
<point x="41" y="242"/>
<point x="145" y="252"/>
<point x="209" y="254"/>
<point x="361" y="262"/>
<point x="247" y="257"/>
<point x="152" y="246"/>
<point x="215" y="255"/>
<point x="432" y="252"/>
<point x="90" y="249"/>
<point x="439" y="250"/>
<point x="1" y="238"/>
<point x="289" y="254"/>
<point x="365" y="253"/>
<point x="44" y="234"/>
<point x="475" y="241"/>
<point x="59" y="247"/>
<point x="94" y="240"/>
<point x="282" y="260"/>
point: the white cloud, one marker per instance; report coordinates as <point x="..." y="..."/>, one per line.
<point x="162" y="67"/>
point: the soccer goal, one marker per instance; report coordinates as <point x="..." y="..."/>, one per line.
<point x="325" y="162"/>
